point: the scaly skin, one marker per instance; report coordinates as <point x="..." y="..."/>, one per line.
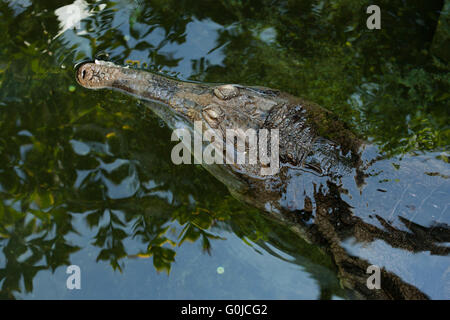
<point x="328" y="188"/>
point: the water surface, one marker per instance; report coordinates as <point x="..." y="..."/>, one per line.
<point x="86" y="176"/>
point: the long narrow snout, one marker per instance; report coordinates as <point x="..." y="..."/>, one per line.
<point x="143" y="84"/>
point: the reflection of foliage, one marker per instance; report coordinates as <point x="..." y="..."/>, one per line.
<point x="144" y="228"/>
<point x="68" y="154"/>
<point x="111" y="236"/>
<point x="197" y="222"/>
<point x="30" y="239"/>
<point x="327" y="55"/>
<point x="418" y="98"/>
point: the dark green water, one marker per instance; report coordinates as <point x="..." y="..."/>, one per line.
<point x="86" y="176"/>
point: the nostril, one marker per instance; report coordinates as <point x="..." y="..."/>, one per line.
<point x="87" y="76"/>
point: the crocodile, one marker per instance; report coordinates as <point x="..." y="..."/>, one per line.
<point x="332" y="188"/>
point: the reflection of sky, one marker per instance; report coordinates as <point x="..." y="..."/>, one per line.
<point x="18" y="6"/>
<point x="71" y="15"/>
<point x="201" y="38"/>
<point x="248" y="275"/>
<point x="411" y="267"/>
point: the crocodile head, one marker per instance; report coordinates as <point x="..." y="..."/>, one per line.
<point x="198" y="107"/>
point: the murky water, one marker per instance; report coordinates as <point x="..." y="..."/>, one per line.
<point x="86" y="176"/>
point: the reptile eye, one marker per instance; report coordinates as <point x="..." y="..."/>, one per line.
<point x="226" y="92"/>
<point x="212" y="114"/>
<point x="83" y="74"/>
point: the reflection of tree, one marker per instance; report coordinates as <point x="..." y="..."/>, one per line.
<point x="32" y="239"/>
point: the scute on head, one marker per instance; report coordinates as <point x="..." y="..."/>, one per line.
<point x="226" y="92"/>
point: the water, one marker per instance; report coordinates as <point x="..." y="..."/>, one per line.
<point x="86" y="176"/>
